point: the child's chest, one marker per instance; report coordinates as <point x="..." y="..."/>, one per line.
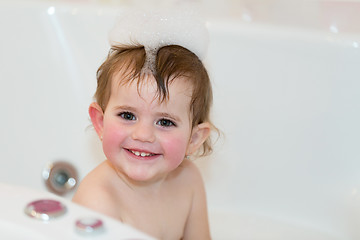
<point x="163" y="217"/>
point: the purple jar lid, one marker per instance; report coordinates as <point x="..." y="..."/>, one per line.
<point x="45" y="209"/>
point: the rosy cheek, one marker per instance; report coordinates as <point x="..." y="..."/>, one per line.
<point x="112" y="139"/>
<point x="175" y="149"/>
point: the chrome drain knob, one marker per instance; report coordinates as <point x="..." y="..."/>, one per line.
<point x="60" y="177"/>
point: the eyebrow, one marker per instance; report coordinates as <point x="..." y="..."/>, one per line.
<point x="124" y="108"/>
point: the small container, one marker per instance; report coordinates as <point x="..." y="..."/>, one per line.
<point x="89" y="226"/>
<point x="45" y="209"/>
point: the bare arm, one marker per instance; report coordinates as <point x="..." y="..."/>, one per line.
<point x="197" y="226"/>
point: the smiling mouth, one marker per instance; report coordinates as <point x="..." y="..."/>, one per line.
<point x="141" y="154"/>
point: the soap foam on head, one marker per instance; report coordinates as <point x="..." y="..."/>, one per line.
<point x="155" y="28"/>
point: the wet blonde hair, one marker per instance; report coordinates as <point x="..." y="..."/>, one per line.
<point x="171" y="62"/>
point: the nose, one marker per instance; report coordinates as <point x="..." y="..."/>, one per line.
<point x="143" y="132"/>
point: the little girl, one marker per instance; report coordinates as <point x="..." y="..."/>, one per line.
<point x="151" y="114"/>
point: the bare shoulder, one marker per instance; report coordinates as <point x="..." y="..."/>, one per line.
<point x="189" y="172"/>
<point x="187" y="177"/>
<point x="191" y="178"/>
<point x="94" y="190"/>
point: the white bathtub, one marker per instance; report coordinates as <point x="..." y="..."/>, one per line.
<point x="287" y="99"/>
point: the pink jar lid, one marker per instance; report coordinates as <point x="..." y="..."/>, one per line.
<point x="45" y="209"/>
<point x="89" y="226"/>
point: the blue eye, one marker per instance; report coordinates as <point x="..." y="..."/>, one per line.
<point x="127" y="116"/>
<point x="166" y="123"/>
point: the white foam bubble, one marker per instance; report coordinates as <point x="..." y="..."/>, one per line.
<point x="155" y="28"/>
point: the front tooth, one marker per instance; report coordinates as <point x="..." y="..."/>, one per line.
<point x="137" y="153"/>
<point x="143" y="154"/>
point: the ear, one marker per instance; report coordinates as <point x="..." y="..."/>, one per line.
<point x="97" y="118"/>
<point x="199" y="135"/>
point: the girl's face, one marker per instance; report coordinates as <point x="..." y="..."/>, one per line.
<point x="144" y="138"/>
